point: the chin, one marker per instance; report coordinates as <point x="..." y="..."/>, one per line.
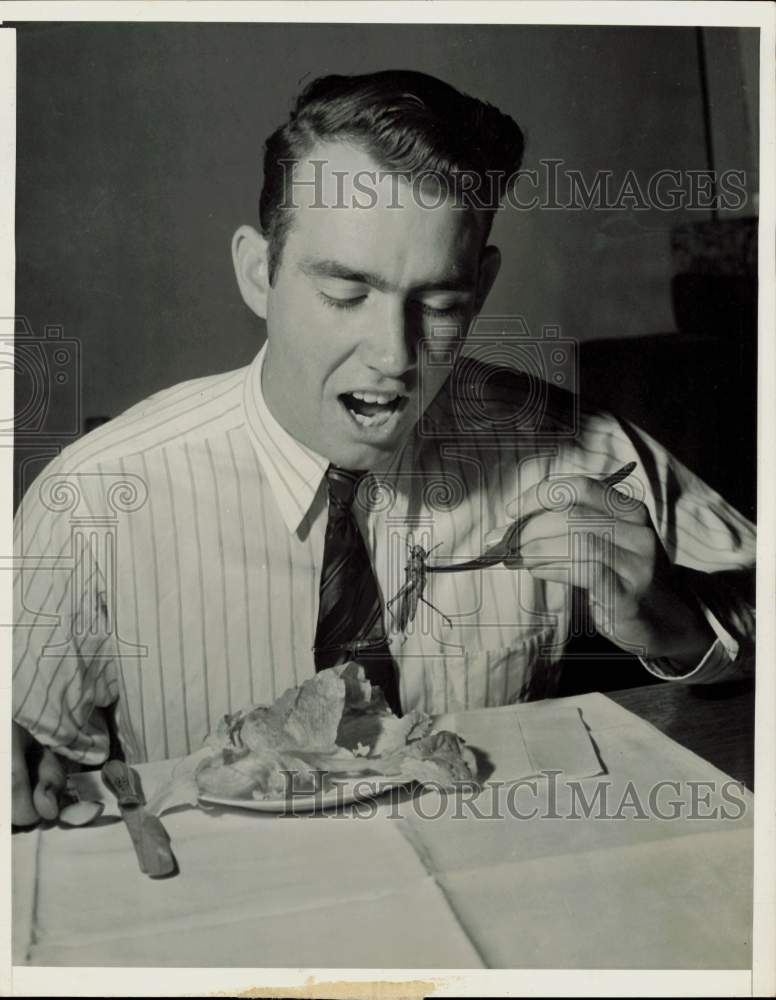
<point x="364" y="457"/>
<point x="369" y="456"/>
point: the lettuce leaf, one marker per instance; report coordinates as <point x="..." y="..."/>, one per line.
<point x="335" y="722"/>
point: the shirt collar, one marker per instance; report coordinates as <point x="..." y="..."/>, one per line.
<point x="294" y="472"/>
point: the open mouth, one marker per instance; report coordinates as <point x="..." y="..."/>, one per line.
<point x="373" y="409"/>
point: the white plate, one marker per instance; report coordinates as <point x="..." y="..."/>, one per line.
<point x="347" y="790"/>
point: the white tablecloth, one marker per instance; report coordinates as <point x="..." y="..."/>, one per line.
<point x="430" y="882"/>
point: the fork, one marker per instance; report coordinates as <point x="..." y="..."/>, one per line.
<point x="503" y="548"/>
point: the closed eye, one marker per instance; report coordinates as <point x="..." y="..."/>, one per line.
<point x="341" y="303"/>
<point x="442" y="305"/>
<point x="451" y="310"/>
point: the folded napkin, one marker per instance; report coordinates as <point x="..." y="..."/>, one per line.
<point x="528" y="740"/>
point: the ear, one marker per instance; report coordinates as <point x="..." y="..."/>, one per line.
<point x="249" y="256"/>
<point x="490" y="264"/>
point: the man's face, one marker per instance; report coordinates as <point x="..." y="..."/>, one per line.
<point x="357" y="291"/>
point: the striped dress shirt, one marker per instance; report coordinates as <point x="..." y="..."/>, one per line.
<point x="168" y="563"/>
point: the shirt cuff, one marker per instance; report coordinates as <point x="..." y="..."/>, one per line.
<point x="718" y="664"/>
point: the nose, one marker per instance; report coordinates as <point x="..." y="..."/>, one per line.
<point x="391" y="346"/>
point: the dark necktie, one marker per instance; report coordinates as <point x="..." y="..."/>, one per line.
<point x="350" y="615"/>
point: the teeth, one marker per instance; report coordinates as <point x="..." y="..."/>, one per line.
<point x="376" y="397"/>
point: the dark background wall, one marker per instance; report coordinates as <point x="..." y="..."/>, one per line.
<point x="139" y="151"/>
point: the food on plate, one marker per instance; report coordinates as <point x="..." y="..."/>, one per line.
<point x="334" y="725"/>
<point x="438" y="758"/>
<point x="255" y="773"/>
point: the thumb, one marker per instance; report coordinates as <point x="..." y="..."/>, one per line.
<point x="50" y="785"/>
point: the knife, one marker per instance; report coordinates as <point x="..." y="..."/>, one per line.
<point x="149" y="838"/>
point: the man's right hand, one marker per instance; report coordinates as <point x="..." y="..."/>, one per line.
<point x="37" y="780"/>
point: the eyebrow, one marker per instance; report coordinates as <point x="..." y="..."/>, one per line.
<point x="334" y="269"/>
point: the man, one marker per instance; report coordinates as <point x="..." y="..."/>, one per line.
<point x="226" y="538"/>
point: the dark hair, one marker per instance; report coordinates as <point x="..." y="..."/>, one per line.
<point x="408" y="122"/>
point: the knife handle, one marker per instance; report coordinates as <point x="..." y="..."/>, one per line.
<point x="123" y="782"/>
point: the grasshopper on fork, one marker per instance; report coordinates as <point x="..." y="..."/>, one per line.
<point x="411" y="592"/>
